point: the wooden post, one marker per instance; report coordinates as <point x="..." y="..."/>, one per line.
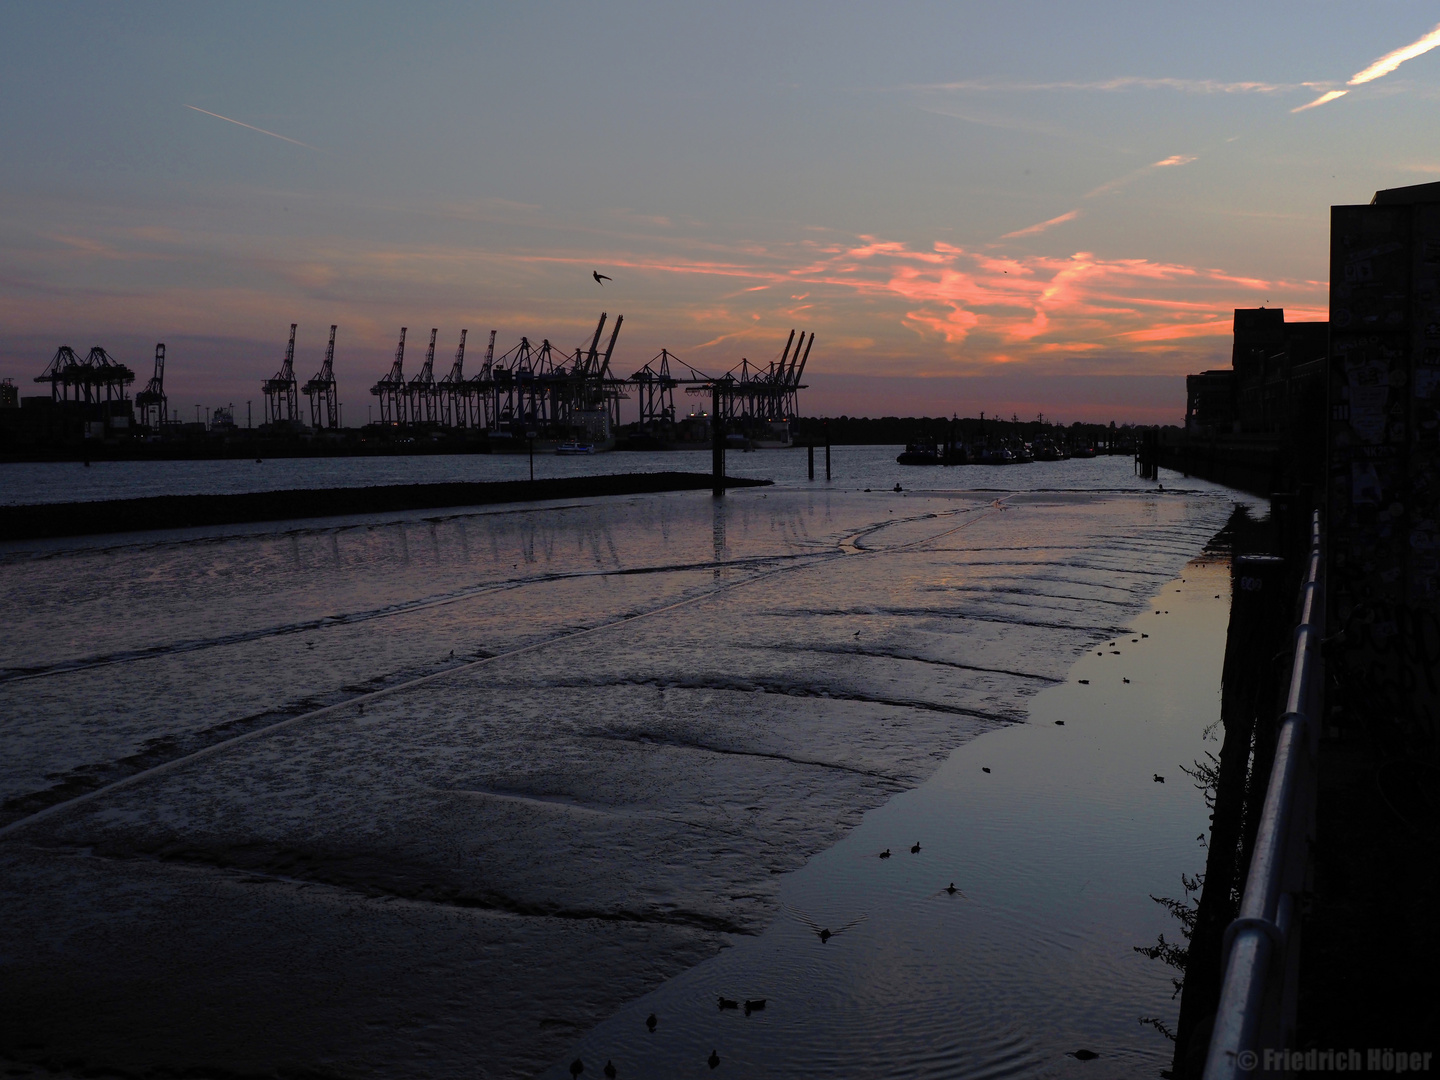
<point x="825" y="427"/>
<point x="811" y="449"/>
<point x="717" y="444"/>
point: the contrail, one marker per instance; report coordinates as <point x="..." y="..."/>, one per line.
<point x="1042" y="226"/>
<point x="252" y="127"/>
<point x="1380" y="68"/>
<point x="1329" y="95"/>
<point x="1392" y="60"/>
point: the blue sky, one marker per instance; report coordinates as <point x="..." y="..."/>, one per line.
<point x="1009" y="207"/>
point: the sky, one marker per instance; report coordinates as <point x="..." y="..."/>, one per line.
<point x="1021" y="208"/>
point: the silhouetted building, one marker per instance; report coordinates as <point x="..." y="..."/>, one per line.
<point x="1384" y="428"/>
<point x="1272" y="363"/>
<point x="1210" y="401"/>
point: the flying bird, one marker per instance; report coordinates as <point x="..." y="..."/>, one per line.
<point x="600" y="278"/>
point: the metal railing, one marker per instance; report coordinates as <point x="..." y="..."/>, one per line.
<point x="1261" y="947"/>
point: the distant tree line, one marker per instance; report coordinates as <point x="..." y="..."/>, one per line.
<point x="897" y="430"/>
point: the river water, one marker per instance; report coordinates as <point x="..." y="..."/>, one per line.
<point x="473" y="792"/>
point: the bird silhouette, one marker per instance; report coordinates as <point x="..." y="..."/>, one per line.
<point x="577" y="1067"/>
<point x="1059" y="723"/>
<point x="713" y="1060"/>
<point x="916" y="849"/>
<point x="754" y="1005"/>
<point x="1084" y="682"/>
<point x="650" y="1021"/>
<point x="951" y="889"/>
<point x="885" y="854"/>
<point x="824" y="933"/>
<point x="600" y="278"/>
<point x="1159" y="779"/>
<point x="1124" y="680"/>
<point x="984" y="768"/>
<point x="729" y="1003"/>
<point x="1085" y="1055"/>
<point x="610" y="1069"/>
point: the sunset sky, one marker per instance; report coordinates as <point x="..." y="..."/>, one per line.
<point x="1015" y="207"/>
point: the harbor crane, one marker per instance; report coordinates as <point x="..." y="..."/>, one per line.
<point x="391" y="389"/>
<point x="321" y="390"/>
<point x="152" y="399"/>
<point x="281" y="394"/>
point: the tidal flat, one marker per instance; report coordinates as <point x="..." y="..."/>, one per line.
<point x="450" y="794"/>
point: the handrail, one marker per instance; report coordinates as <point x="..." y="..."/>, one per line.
<point x="1260" y="952"/>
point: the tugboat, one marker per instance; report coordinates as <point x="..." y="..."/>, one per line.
<point x="920" y="454"/>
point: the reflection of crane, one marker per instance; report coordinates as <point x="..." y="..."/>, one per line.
<point x="322" y="386"/>
<point x="152" y="399"/>
<point x="391" y="389"/>
<point x="281" y="395"/>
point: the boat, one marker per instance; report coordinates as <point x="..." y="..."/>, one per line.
<point x="574" y="449"/>
<point x="920" y="454"/>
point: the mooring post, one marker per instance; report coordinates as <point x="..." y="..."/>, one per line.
<point x="811" y="449"/>
<point x="717" y="444"/>
<point x="531" y="440"/>
<point x="825" y="427"/>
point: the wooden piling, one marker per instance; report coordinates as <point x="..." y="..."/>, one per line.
<point x="717" y="445"/>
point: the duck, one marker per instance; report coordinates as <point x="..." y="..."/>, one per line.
<point x="754" y="1005"/>
<point x="984" y="768"/>
<point x="713" y="1060"/>
<point x="1084" y="682"/>
<point x="916" y="849"/>
<point x="885" y="854"/>
<point x="577" y="1067"/>
<point x="1084" y="1055"/>
<point x="610" y="1069"/>
<point x="1159" y="779"/>
<point x="1123" y="679"/>
<point x="825" y="935"/>
<point x="951" y="889"/>
<point x="650" y="1021"/>
<point x="728" y="1003"/>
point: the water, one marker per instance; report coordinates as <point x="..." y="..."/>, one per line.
<point x="867" y="466"/>
<point x="1055" y="853"/>
<point x="460" y="792"/>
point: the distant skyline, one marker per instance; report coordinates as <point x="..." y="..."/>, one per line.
<point x="1016" y="208"/>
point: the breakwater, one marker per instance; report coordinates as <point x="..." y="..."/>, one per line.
<point x="191" y="511"/>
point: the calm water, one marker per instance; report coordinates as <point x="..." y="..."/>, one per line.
<point x="864" y="465"/>
<point x="515" y="777"/>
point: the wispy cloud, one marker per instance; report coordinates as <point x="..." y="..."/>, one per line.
<point x="1119" y="83"/>
<point x="1032" y="230"/>
<point x="252" y="127"/>
<point x="1392" y="60"/>
<point x="1130" y="177"/>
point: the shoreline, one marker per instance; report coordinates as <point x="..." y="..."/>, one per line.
<point x="45" y="521"/>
